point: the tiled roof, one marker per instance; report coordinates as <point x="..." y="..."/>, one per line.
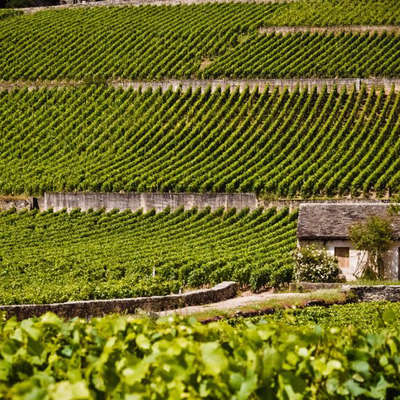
<point x="332" y="221"/>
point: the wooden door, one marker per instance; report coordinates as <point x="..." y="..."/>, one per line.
<point x="398" y="263"/>
<point x="343" y="255"/>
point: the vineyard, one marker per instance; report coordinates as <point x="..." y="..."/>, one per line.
<point x="310" y="55"/>
<point x="370" y="317"/>
<point x="96" y="138"/>
<point x="66" y="127"/>
<point x="55" y="257"/>
<point x="209" y="40"/>
<point x="176" y="358"/>
<point x="8" y="13"/>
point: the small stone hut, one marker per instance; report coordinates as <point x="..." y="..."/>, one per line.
<point x="328" y="225"/>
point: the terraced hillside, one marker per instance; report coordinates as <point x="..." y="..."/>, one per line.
<point x="280" y="143"/>
<point x="55" y="257"/>
<point x="275" y="143"/>
<point x="208" y="40"/>
<point x="85" y="135"/>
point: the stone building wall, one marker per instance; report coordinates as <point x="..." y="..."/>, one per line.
<point x="357" y="258"/>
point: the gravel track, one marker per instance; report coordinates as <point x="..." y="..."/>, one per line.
<point x="245" y="300"/>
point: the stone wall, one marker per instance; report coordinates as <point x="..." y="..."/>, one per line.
<point x="335" y="29"/>
<point x="294" y="204"/>
<point x="358" y="258"/>
<point x="6" y="203"/>
<point x="312" y="287"/>
<point x="158" y="201"/>
<point x="145" y="201"/>
<point x="290" y="84"/>
<point x="98" y="308"/>
<point x="233" y="84"/>
<point x="376" y="292"/>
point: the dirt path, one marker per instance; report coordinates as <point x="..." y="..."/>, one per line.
<point x="245" y="300"/>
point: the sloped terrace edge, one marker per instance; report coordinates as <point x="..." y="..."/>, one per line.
<point x="137" y="3"/>
<point x="241" y="84"/>
<point x="99" y="308"/>
<point x="159" y="201"/>
<point x="335" y="29"/>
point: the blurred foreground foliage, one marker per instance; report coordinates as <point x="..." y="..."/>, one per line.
<point x="171" y="358"/>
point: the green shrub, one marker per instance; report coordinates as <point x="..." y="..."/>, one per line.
<point x="314" y="264"/>
<point x="375" y="237"/>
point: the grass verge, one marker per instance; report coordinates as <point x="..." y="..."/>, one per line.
<point x="267" y="306"/>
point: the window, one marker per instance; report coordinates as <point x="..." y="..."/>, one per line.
<point x="342" y="254"/>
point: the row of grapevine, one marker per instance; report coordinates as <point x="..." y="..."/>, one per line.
<point x="9" y="13"/>
<point x="156" y="42"/>
<point x="336" y="12"/>
<point x="174" y="358"/>
<point x="54" y="257"/>
<point x="366" y="316"/>
<point x="311" y="55"/>
<point x="97" y="138"/>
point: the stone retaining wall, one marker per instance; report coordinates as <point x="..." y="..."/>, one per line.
<point x="337" y="30"/>
<point x="6" y="203"/>
<point x="98" y="308"/>
<point x="261" y="84"/>
<point x="312" y="287"/>
<point x="158" y="201"/>
<point x="375" y="292"/>
<point x="241" y="84"/>
<point x="252" y="84"/>
<point x="295" y="204"/>
<point x="146" y="201"/>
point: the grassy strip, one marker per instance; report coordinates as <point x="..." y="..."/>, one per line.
<point x="374" y="283"/>
<point x="14" y="198"/>
<point x="268" y="306"/>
